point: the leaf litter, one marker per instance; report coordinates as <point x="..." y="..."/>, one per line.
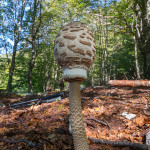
<point x="46" y="126"/>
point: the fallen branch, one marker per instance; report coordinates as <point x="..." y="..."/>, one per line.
<point x="129" y="83"/>
<point x="49" y="141"/>
<point x="20" y="141"/>
<point x="89" y="124"/>
<point x="120" y="144"/>
<point x="46" y="99"/>
<point x="99" y="121"/>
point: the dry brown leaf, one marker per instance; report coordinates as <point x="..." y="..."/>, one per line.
<point x="139" y="121"/>
<point x="1" y="143"/>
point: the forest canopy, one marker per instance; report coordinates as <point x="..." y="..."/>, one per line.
<point x="28" y="29"/>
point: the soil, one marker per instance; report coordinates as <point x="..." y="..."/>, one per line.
<point x="46" y="126"/>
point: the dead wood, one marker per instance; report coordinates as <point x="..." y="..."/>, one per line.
<point x="99" y="121"/>
<point x="89" y="124"/>
<point x="120" y="144"/>
<point x="20" y="141"/>
<point x="129" y="83"/>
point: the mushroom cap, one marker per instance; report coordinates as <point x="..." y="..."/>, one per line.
<point x="75" y="51"/>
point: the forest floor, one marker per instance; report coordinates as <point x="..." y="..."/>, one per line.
<point x="105" y="114"/>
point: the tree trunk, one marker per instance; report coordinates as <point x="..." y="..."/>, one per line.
<point x="136" y="60"/>
<point x="145" y="65"/>
<point x="35" y="30"/>
<point x="143" y="31"/>
<point x="12" y="68"/>
<point x="148" y="12"/>
<point x="31" y="66"/>
<point x="17" y="29"/>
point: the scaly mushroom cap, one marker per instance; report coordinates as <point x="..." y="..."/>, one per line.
<point x="75" y="51"/>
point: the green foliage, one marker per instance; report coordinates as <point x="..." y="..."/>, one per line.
<point x="124" y="59"/>
<point x="110" y="21"/>
<point x="4" y="72"/>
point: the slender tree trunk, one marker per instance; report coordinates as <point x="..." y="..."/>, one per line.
<point x="148" y="12"/>
<point x="12" y="68"/>
<point x="48" y="83"/>
<point x="17" y="29"/>
<point x="145" y="65"/>
<point x="35" y="30"/>
<point x="136" y="60"/>
<point x="103" y="51"/>
<point x="31" y="66"/>
<point x="99" y="35"/>
<point x="106" y="47"/>
<point x="106" y="55"/>
<point x="32" y="60"/>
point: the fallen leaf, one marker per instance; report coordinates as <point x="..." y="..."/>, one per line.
<point x="139" y="121"/>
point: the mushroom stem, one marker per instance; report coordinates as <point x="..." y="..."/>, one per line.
<point x="77" y="125"/>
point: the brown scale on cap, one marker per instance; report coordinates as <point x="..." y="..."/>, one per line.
<point x="73" y="59"/>
<point x="69" y="37"/>
<point x="89" y="52"/>
<point x="86" y="60"/>
<point x="89" y="38"/>
<point x="71" y="46"/>
<point x="85" y="42"/>
<point x="75" y="30"/>
<point x="65" y="29"/>
<point x="77" y="50"/>
<point x="81" y="36"/>
<point x="61" y="44"/>
<point x="63" y="54"/>
<point x="72" y="26"/>
<point x="90" y="33"/>
<point x="83" y="25"/>
<point x="93" y="50"/>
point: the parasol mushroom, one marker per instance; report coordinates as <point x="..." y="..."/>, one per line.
<point x="75" y="51"/>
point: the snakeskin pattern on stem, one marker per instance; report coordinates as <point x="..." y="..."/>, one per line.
<point x="77" y="125"/>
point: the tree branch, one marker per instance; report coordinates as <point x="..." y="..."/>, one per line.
<point x="20" y="141"/>
<point x="120" y="144"/>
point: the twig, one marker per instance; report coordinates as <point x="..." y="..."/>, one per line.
<point x="99" y="121"/>
<point x="22" y="123"/>
<point x="49" y="141"/>
<point x="14" y="142"/>
<point x="89" y="124"/>
<point x="107" y="123"/>
<point x="120" y="144"/>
